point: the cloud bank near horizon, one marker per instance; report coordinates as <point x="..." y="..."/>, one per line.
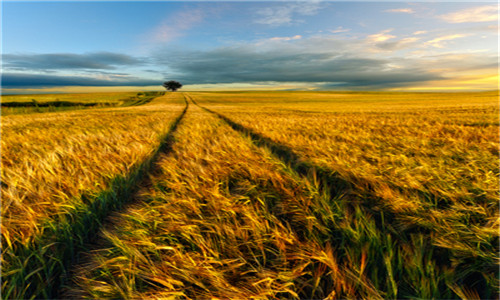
<point x="289" y="44"/>
<point x="310" y="61"/>
<point x="323" y="61"/>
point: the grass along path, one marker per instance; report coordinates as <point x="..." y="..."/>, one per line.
<point x="39" y="267"/>
<point x="443" y="272"/>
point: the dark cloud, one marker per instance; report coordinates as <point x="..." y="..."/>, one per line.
<point x="65" y="61"/>
<point x="331" y="68"/>
<point x="18" y="80"/>
<point x="323" y="62"/>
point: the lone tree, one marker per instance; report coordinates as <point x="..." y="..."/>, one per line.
<point x="172" y="85"/>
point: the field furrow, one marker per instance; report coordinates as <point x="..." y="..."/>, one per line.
<point x="297" y="195"/>
<point x="461" y="229"/>
<point x="231" y="216"/>
<point x="61" y="175"/>
<point x="213" y="223"/>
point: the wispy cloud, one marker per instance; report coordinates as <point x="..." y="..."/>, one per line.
<point x="381" y="36"/>
<point x="461" y="62"/>
<point x="439" y="42"/>
<point x="340" y="29"/>
<point x="485" y="13"/>
<point x="420" y="32"/>
<point x="172" y="28"/>
<point x="286" y="38"/>
<point x="401" y="10"/>
<point x="286" y="14"/>
<point x="398" y="45"/>
<point x="490" y="28"/>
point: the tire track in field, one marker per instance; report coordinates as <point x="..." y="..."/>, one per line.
<point x="202" y="134"/>
<point x="46" y="263"/>
<point x="328" y="179"/>
<point x="143" y="101"/>
<point x="337" y="186"/>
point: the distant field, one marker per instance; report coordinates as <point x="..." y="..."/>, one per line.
<point x="40" y="103"/>
<point x="84" y="97"/>
<point x="255" y="194"/>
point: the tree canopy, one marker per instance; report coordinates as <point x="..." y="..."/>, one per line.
<point x="172" y="85"/>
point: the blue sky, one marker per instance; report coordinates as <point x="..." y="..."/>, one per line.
<point x="88" y="46"/>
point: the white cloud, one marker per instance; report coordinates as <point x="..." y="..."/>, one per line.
<point x="175" y="27"/>
<point x="381" y="36"/>
<point x="286" y="38"/>
<point x="401" y="10"/>
<point x="340" y="29"/>
<point x="286" y="14"/>
<point x="492" y="28"/>
<point x="409" y="40"/>
<point x="420" y="32"/>
<point x="485" y="13"/>
<point x="394" y="45"/>
<point x="439" y="41"/>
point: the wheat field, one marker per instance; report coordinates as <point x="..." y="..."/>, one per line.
<point x="55" y="165"/>
<point x="41" y="103"/>
<point x="310" y="195"/>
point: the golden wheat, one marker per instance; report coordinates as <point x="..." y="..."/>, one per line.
<point x="264" y="195"/>
<point x="445" y="150"/>
<point x="49" y="160"/>
<point x="87" y="97"/>
<point x="223" y="218"/>
<point x="430" y="159"/>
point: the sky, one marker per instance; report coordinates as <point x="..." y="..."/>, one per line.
<point x="69" y="46"/>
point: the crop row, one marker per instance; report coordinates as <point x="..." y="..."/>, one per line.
<point x="263" y="195"/>
<point x="243" y="215"/>
<point x="61" y="175"/>
<point x="426" y="172"/>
